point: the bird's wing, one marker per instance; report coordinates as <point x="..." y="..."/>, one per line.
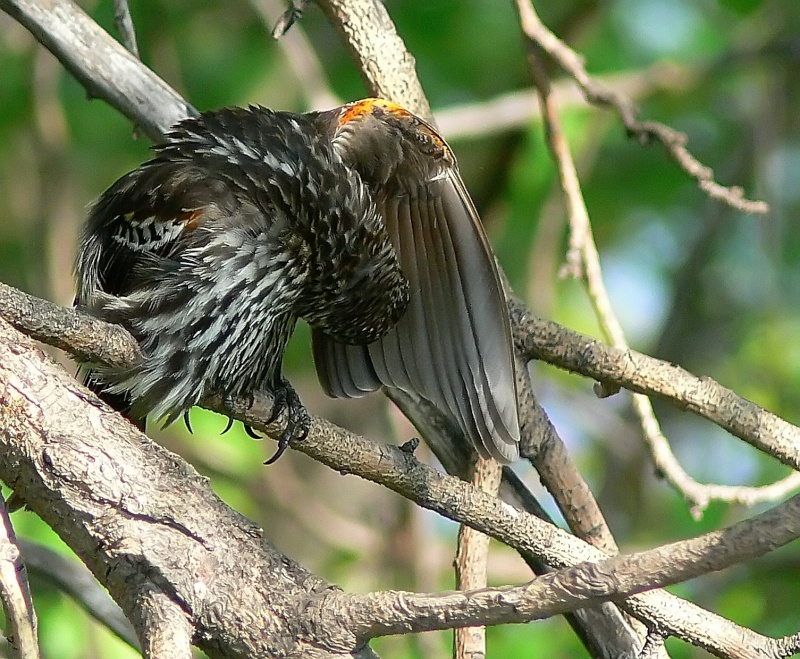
<point x="453" y="345"/>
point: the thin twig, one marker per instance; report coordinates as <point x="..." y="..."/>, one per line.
<point x="127" y="31"/>
<point x="645" y="131"/>
<point x="299" y="52"/>
<point x="16" y="593"/>
<point x="517" y="109"/>
<point x="583" y="261"/>
<point x="471" y="561"/>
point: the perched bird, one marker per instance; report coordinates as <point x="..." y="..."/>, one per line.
<point x="354" y="219"/>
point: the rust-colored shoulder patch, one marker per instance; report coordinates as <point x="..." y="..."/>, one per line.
<point x="390" y="112"/>
<point x="367" y="106"/>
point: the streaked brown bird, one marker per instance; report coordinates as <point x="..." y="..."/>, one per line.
<point x="354" y="219"/>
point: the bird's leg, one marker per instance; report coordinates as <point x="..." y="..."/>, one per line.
<point x="298" y="422"/>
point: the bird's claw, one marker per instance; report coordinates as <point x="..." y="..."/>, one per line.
<point x="227" y="401"/>
<point x="298" y="422"/>
<point x="188" y="422"/>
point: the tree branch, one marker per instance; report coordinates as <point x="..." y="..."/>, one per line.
<point x="538" y="338"/>
<point x="16" y="593"/>
<point x="583" y="262"/>
<point x="727" y="640"/>
<point x="139" y="517"/>
<point x="388" y="69"/>
<point x="163" y="626"/>
<point x="144" y="522"/>
<point x="72" y="578"/>
<point x="99" y="63"/>
<point x="646" y="131"/>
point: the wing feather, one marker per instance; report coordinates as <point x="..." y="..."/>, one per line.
<point x="453" y="345"/>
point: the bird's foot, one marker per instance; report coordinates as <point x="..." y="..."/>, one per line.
<point x="298" y="422"/>
<point x="410" y="446"/>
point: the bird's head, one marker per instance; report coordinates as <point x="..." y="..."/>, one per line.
<point x="383" y="140"/>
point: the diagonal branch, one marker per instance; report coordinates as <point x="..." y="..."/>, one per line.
<point x="72" y="577"/>
<point x="538" y="338"/>
<point x="103" y="66"/>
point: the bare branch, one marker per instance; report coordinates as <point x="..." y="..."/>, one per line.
<point x="122" y="17"/>
<point x="16" y="593"/>
<point x="538" y="338"/>
<point x="378" y="51"/>
<point x="342" y="451"/>
<point x="517" y="109"/>
<point x="164" y="627"/>
<point x="583" y="262"/>
<point x="101" y="64"/>
<point x="472" y="556"/>
<point x="78" y="333"/>
<point x="602" y="629"/>
<point x="582" y="584"/>
<point x="645" y="131"/>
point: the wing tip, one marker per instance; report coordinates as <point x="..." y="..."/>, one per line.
<point x="502" y="446"/>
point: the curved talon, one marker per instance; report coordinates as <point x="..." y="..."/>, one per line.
<point x="282" y="446"/>
<point x="188" y="422"/>
<point x="228" y="426"/>
<point x="252" y="433"/>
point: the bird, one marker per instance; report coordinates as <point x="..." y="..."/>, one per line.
<point x="354" y="219"/>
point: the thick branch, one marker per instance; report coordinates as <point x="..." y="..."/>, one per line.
<point x="81" y="335"/>
<point x="144" y="521"/>
<point x="386" y="65"/>
<point x="141" y="519"/>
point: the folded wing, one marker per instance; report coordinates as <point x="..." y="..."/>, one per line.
<point x="453" y="345"/>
